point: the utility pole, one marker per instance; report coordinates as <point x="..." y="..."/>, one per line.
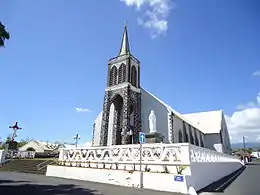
<point x="76" y="138"/>
<point x="244" y="141"/>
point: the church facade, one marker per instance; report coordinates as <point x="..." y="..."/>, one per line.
<point x="127" y="106"/>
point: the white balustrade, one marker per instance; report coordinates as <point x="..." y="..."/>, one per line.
<point x="199" y="154"/>
<point x="155" y="157"/>
<point x="122" y="163"/>
<point x="2" y="156"/>
<point x="126" y="154"/>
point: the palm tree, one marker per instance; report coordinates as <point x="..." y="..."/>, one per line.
<point x="4" y="35"/>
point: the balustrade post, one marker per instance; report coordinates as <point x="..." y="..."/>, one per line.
<point x="61" y="155"/>
<point x="185" y="154"/>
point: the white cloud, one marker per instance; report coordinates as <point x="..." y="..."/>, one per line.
<point x="256" y="73"/>
<point x="245" y="122"/>
<point x="78" y="110"/>
<point x="246" y="106"/>
<point x="155" y="14"/>
<point x="251" y="104"/>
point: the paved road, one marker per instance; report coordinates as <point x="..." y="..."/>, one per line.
<point x="247" y="183"/>
<point x="20" y="183"/>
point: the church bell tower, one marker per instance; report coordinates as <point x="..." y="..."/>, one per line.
<point x="121" y="117"/>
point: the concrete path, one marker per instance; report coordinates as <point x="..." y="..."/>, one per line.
<point x="247" y="183"/>
<point x="21" y="183"/>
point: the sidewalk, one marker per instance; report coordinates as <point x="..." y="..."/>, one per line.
<point x="20" y="183"/>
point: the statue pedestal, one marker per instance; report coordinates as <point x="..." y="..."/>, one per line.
<point x="154" y="137"/>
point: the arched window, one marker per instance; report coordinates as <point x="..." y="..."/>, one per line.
<point x="196" y="137"/>
<point x="221" y="137"/>
<point x="113" y="76"/>
<point x="133" y="76"/>
<point x="185" y="133"/>
<point x="180" y="136"/>
<point x="30" y="149"/>
<point x="191" y="135"/>
<point x="122" y="74"/>
<point x="201" y="139"/>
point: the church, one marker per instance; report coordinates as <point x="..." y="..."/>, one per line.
<point x="129" y="109"/>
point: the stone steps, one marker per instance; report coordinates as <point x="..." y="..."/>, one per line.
<point x="25" y="166"/>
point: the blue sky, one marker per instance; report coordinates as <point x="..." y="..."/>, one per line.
<point x="197" y="56"/>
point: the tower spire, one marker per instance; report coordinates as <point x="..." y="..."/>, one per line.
<point x="125" y="48"/>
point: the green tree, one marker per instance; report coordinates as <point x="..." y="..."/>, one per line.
<point x="22" y="143"/>
<point x="4" y="35"/>
<point x="8" y="139"/>
<point x="2" y="146"/>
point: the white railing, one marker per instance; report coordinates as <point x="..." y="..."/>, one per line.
<point x="151" y="153"/>
<point x="155" y="157"/>
<point x="199" y="154"/>
<point x="44" y="164"/>
<point x="25" y="154"/>
<point x="2" y="156"/>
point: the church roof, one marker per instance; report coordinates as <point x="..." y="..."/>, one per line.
<point x="173" y="111"/>
<point x="208" y="122"/>
<point x="46" y="145"/>
<point x="125" y="47"/>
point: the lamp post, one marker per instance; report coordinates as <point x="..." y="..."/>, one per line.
<point x="76" y="138"/>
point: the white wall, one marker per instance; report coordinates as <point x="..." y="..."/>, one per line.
<point x="110" y="124"/>
<point x="226" y="137"/>
<point x="208" y="166"/>
<point x="211" y="140"/>
<point x="96" y="138"/>
<point x="164" y="182"/>
<point x="150" y="103"/>
<point x="2" y="156"/>
<point x="200" y="176"/>
<point x="204" y="167"/>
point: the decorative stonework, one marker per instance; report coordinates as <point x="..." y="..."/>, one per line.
<point x="123" y="90"/>
<point x="170" y="127"/>
<point x="129" y="97"/>
<point x="151" y="154"/>
<point x="105" y="119"/>
<point x="137" y="116"/>
<point x="199" y="154"/>
<point x="164" y="158"/>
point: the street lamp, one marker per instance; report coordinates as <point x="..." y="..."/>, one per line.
<point x="76" y="138"/>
